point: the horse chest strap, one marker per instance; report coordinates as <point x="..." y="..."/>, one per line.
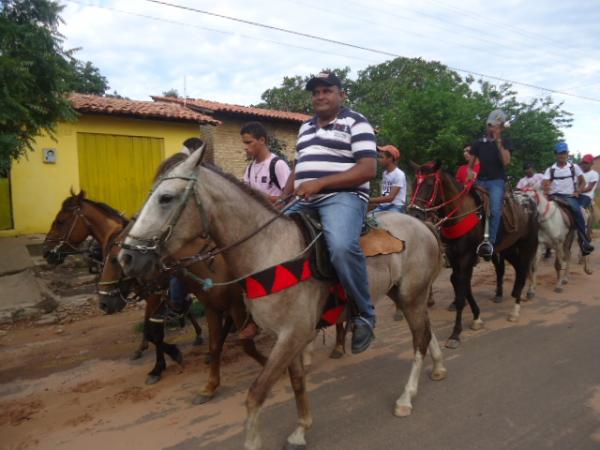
<point x="461" y="228"/>
<point x="277" y="278"/>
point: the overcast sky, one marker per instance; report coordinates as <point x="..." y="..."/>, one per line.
<point x="545" y="43"/>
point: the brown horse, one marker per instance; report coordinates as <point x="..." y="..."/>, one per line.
<point x="194" y="200"/>
<point x="219" y="303"/>
<point x="79" y="218"/>
<point x="438" y="195"/>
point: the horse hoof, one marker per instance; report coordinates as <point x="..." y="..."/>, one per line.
<point x="178" y="357"/>
<point x="402" y="410"/>
<point x="498" y="299"/>
<point x="152" y="379"/>
<point x="336" y="354"/>
<point x="452" y="343"/>
<point x="198" y="341"/>
<point x="564" y="281"/>
<point x="452" y="307"/>
<point x="398" y="316"/>
<point x="530" y="295"/>
<point x="558" y="290"/>
<point x="477" y="324"/>
<point x="200" y="399"/>
<point x="513" y="318"/>
<point x="290" y="446"/>
<point x="439" y="374"/>
<point x="588" y="271"/>
<point x="136" y="355"/>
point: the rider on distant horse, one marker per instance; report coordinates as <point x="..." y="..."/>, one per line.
<point x="493" y="153"/>
<point x="335" y="160"/>
<point x="565" y="180"/>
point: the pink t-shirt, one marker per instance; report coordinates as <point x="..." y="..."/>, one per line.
<point x="258" y="176"/>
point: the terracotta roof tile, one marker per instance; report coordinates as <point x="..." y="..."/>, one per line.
<point x="236" y="109"/>
<point x="140" y="109"/>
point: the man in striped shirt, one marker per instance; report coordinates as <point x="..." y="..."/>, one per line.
<point x="336" y="157"/>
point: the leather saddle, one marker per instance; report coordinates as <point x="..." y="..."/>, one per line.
<point x="374" y="241"/>
<point x="511" y="216"/>
<point x="565" y="209"/>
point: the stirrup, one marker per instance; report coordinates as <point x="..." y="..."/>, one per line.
<point x="485" y="250"/>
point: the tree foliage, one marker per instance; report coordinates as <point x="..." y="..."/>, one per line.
<point x="35" y="74"/>
<point x="171" y="93"/>
<point x="430" y="112"/>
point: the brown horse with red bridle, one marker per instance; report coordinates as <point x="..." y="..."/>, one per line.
<point x="457" y="212"/>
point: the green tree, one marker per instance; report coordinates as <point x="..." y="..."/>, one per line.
<point x="291" y="96"/>
<point x="171" y="93"/>
<point x="36" y="73"/>
<point x="85" y="78"/>
<point x="430" y="112"/>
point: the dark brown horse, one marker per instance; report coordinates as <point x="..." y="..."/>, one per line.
<point x="80" y="218"/>
<point x="222" y="305"/>
<point x="456" y="209"/>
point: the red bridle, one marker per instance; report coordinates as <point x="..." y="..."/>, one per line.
<point x="431" y="205"/>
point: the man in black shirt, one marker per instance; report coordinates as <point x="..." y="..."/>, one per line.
<point x="493" y="154"/>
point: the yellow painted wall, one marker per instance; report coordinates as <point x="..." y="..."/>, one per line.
<point x="39" y="189"/>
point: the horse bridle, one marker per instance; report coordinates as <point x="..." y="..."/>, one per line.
<point x="161" y="238"/>
<point x="430" y="205"/>
<point x="65" y="239"/>
<point x="157" y="242"/>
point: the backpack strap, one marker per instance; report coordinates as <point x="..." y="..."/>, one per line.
<point x="248" y="170"/>
<point x="573" y="177"/>
<point x="552" y="174"/>
<point x="272" y="175"/>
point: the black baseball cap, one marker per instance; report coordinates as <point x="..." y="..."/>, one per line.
<point x="326" y="78"/>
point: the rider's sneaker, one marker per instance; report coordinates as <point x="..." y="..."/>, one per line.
<point x="586" y="249"/>
<point x="485" y="250"/>
<point x="362" y="334"/>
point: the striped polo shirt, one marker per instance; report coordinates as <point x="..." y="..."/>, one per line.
<point x="333" y="149"/>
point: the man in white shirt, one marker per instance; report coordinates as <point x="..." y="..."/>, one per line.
<point x="267" y="172"/>
<point x="591" y="180"/>
<point x="532" y="180"/>
<point x="393" y="188"/>
<point x="565" y="180"/>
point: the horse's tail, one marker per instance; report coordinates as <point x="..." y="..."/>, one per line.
<point x="440" y="261"/>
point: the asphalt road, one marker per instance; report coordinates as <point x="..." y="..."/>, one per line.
<point x="530" y="386"/>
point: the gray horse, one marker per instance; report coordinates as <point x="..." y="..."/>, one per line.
<point x="197" y="199"/>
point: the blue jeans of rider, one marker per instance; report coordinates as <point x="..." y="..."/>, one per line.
<point x="495" y="189"/>
<point x="576" y="205"/>
<point x="391" y="207"/>
<point x="342" y="216"/>
<point x="177" y="292"/>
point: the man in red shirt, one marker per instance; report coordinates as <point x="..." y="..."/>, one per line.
<point x="463" y="171"/>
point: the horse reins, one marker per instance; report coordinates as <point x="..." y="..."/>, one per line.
<point x="430" y="205"/>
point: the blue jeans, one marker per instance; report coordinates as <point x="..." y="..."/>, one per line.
<point x="390" y="207"/>
<point x="495" y="190"/>
<point x="342" y="216"/>
<point x="584" y="201"/>
<point x="177" y="292"/>
<point x="574" y="203"/>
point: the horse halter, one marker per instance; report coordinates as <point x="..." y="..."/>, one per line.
<point x="156" y="242"/>
<point x="65" y="239"/>
<point x="432" y="206"/>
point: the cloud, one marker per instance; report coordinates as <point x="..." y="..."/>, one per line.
<point x="551" y="45"/>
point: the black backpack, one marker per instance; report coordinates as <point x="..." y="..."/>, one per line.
<point x="572" y="176"/>
<point x="272" y="175"/>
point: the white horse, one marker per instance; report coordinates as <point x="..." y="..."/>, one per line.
<point x="555" y="232"/>
<point x="196" y="199"/>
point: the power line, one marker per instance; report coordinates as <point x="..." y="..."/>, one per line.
<point x="363" y="48"/>
<point x="215" y="30"/>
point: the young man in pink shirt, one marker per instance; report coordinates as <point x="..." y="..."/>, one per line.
<point x="267" y="173"/>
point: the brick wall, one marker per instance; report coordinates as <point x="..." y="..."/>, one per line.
<point x="226" y="149"/>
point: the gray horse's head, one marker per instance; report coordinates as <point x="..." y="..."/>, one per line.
<point x="161" y="227"/>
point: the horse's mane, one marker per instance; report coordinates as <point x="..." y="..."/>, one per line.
<point x="255" y="194"/>
<point x="168" y="164"/>
<point x="73" y="201"/>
